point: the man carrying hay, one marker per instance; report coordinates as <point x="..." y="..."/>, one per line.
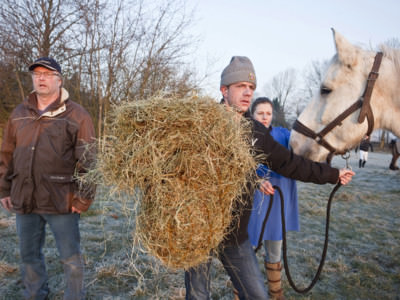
<point x="44" y="145"/>
<point x="238" y="82"/>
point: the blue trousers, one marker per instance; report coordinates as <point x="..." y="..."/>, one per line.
<point x="31" y="230"/>
<point x="240" y="263"/>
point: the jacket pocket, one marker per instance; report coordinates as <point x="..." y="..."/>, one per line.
<point x="11" y="177"/>
<point x="60" y="188"/>
<point x="21" y="193"/>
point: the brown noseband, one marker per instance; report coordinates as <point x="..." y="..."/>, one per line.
<point x="363" y="102"/>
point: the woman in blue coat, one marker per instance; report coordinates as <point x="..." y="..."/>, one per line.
<point x="262" y="111"/>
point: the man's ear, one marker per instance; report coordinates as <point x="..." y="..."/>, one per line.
<point x="224" y="91"/>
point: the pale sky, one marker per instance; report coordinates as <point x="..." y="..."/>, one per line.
<point x="277" y="35"/>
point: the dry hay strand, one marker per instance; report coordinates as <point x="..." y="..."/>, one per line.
<point x="190" y="159"/>
<point x="7" y="222"/>
<point x="6" y="269"/>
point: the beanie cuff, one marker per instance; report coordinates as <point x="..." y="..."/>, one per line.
<point x="239" y="76"/>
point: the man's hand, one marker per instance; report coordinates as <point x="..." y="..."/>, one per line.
<point x="75" y="210"/>
<point x="6" y="203"/>
<point x="345" y="176"/>
<point x="266" y="187"/>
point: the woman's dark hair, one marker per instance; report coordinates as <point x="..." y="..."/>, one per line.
<point x="259" y="100"/>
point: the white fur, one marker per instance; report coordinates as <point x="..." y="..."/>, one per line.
<point x="346" y="77"/>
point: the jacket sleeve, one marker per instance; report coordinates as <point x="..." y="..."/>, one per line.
<point x="85" y="152"/>
<point x="6" y="161"/>
<point x="288" y="164"/>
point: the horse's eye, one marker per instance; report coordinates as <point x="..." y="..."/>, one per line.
<point x="325" y="90"/>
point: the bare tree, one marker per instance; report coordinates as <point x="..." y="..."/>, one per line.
<point x="132" y="51"/>
<point x="310" y="84"/>
<point x="282" y="89"/>
<point x="34" y="28"/>
<point x="313" y="77"/>
<point x="110" y="50"/>
<point x="30" y="29"/>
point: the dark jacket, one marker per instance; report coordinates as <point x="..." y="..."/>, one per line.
<point x="283" y="161"/>
<point x="365" y="145"/>
<point x="40" y="154"/>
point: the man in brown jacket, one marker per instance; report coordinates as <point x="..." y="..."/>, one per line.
<point x="48" y="138"/>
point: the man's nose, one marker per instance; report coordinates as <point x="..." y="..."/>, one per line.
<point x="248" y="90"/>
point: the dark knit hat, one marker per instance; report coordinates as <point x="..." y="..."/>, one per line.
<point x="47" y="62"/>
<point x="239" y="69"/>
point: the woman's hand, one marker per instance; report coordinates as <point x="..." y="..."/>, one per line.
<point x="266" y="187"/>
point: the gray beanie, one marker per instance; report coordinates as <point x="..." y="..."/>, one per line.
<point x="239" y="69"/>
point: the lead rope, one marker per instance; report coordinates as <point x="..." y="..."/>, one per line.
<point x="286" y="265"/>
<point x="324" y="251"/>
<point x="322" y="261"/>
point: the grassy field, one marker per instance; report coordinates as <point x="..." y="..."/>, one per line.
<point x="363" y="260"/>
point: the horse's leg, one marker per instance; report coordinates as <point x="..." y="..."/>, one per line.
<point x="394" y="159"/>
<point x="395" y="156"/>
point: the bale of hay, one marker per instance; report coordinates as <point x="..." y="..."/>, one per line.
<point x="190" y="159"/>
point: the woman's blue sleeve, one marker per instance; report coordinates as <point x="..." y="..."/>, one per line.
<point x="263" y="171"/>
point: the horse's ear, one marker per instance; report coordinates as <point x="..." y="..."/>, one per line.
<point x="345" y="50"/>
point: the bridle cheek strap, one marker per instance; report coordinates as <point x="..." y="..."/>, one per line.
<point x="366" y="110"/>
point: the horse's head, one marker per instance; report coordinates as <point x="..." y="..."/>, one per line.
<point x="343" y="84"/>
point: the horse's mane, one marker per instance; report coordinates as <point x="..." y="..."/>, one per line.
<point x="393" y="54"/>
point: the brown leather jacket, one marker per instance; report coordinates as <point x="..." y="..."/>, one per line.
<point x="40" y="154"/>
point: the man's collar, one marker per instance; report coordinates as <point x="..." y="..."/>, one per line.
<point x="247" y="114"/>
<point x="55" y="107"/>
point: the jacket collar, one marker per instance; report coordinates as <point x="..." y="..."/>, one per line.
<point x="247" y="114"/>
<point x="54" y="109"/>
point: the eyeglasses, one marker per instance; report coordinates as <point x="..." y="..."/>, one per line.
<point x="44" y="74"/>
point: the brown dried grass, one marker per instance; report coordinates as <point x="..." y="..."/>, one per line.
<point x="6" y="269"/>
<point x="190" y="160"/>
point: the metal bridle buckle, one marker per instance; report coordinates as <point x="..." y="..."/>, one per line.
<point x="346" y="157"/>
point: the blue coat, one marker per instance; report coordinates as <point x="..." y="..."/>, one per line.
<point x="273" y="230"/>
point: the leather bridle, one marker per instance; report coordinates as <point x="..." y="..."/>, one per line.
<point x="366" y="112"/>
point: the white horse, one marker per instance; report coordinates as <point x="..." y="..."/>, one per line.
<point x="343" y="85"/>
